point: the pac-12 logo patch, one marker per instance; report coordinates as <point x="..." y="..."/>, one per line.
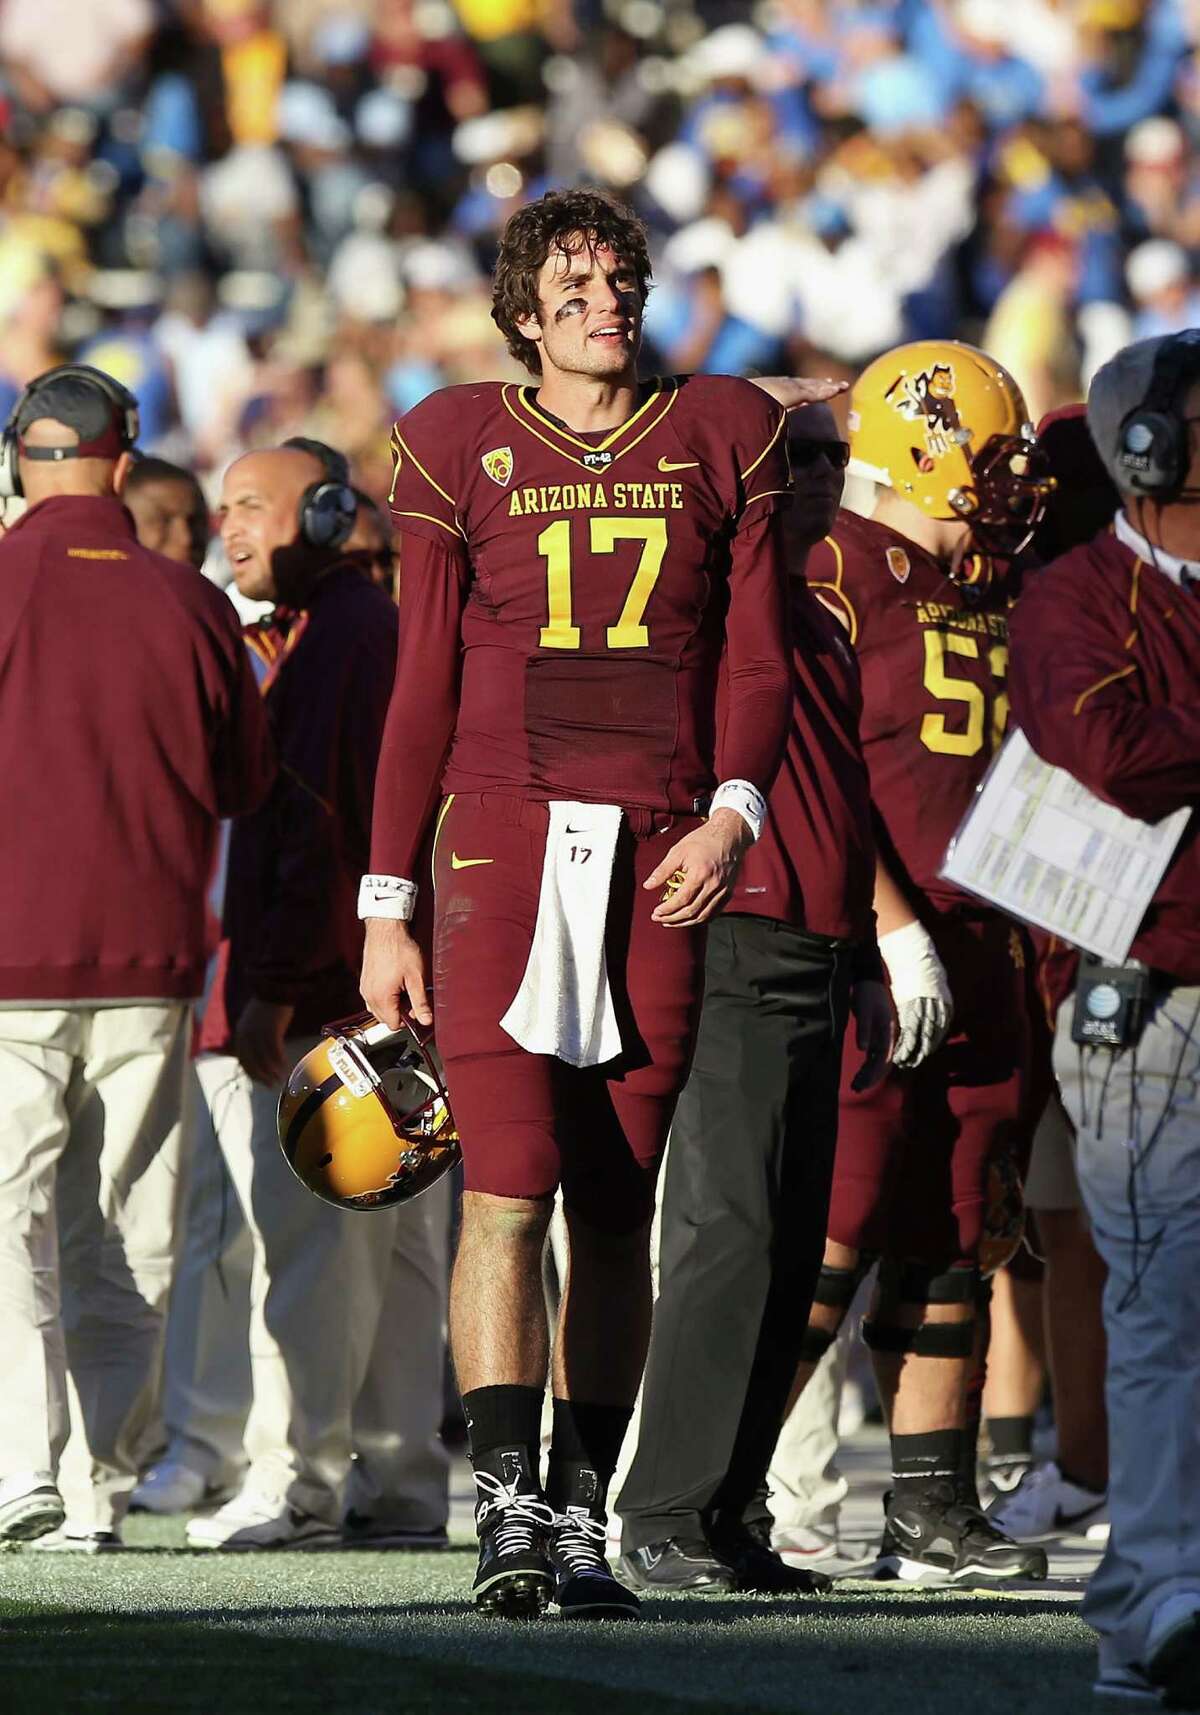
<point x="498" y="464"/>
<point x="899" y="564"/>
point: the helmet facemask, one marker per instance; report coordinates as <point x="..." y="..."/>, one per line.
<point x="1006" y="498"/>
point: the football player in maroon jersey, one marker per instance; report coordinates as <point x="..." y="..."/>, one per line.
<point x="959" y="493"/>
<point x="578" y="556"/>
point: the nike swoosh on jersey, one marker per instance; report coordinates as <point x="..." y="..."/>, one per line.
<point x="666" y="465"/>
<point x="467" y="863"/>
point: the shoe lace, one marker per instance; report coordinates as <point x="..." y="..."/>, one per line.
<point x="580" y="1541"/>
<point x="524" y="1513"/>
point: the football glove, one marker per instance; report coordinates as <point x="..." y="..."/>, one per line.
<point x="920" y="994"/>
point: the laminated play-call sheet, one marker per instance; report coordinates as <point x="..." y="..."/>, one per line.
<point x="1042" y="847"/>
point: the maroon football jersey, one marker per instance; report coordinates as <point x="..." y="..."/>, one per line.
<point x="933" y="656"/>
<point x="591" y="584"/>
<point x="814" y="866"/>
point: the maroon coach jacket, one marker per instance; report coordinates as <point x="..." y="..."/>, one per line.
<point x="129" y="725"/>
<point x="1104" y="676"/>
<point x="291" y="933"/>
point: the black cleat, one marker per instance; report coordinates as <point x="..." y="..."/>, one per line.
<point x="746" y="1550"/>
<point x="931" y="1533"/>
<point x="678" y="1563"/>
<point x="515" y="1577"/>
<point x="584" y="1585"/>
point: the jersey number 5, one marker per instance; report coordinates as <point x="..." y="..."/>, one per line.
<point x="946" y="688"/>
<point x="554" y="545"/>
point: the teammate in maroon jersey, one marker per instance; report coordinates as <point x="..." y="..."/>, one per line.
<point x="577" y="558"/>
<point x="916" y="1154"/>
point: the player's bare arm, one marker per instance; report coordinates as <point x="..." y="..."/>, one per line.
<point x="793" y="391"/>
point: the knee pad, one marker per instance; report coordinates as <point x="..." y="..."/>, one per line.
<point x="923" y="1283"/>
<point x="814" y="1343"/>
<point x="928" y="1283"/>
<point x="931" y="1340"/>
<point x="836" y="1287"/>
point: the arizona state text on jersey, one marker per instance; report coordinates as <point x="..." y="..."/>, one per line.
<point x="566" y="600"/>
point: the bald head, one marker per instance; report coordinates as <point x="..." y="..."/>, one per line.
<point x="259" y="517"/>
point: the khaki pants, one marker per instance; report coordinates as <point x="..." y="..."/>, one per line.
<point x="347" y="1328"/>
<point x="1137" y="1120"/>
<point x="90" y="1131"/>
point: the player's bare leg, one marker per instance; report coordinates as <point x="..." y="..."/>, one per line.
<point x="500" y="1342"/>
<point x="923" y="1339"/>
<point x="498" y="1331"/>
<point x="599" y="1353"/>
<point x="1016" y="1375"/>
<point x="604" y="1316"/>
<point x="842" y="1269"/>
<point x="1075" y="1336"/>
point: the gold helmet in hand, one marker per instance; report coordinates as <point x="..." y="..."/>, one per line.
<point x="364" y="1120"/>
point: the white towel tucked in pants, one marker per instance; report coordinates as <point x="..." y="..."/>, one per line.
<point x="564" y="1005"/>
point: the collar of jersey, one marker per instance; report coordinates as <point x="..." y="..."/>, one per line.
<point x="519" y="402"/>
<point x="1168" y="564"/>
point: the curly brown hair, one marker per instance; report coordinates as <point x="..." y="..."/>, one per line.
<point x="546" y="225"/>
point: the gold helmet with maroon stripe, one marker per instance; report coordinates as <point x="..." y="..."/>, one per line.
<point x="946" y="427"/>
<point x="364" y="1120"/>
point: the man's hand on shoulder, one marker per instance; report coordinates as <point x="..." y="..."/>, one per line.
<point x="258" y="1040"/>
<point x="393" y="973"/>
<point x="792" y="391"/>
<point x="706" y="861"/>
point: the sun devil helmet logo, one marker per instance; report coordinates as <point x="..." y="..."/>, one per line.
<point x="929" y="396"/>
<point x="499" y="465"/>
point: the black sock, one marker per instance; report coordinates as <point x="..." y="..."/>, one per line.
<point x="1011" y="1440"/>
<point x="967" y="1481"/>
<point x="584" y="1449"/>
<point x="501" y="1419"/>
<point x="918" y="1460"/>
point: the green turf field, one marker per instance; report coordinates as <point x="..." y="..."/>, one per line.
<point x="159" y="1630"/>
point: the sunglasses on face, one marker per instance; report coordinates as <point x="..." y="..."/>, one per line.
<point x="804" y="454"/>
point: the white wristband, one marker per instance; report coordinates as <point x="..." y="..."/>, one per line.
<point x="744" y="797"/>
<point x="914" y="970"/>
<point x="387" y="896"/>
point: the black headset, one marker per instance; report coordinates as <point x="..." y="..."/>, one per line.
<point x="328" y="508"/>
<point x="119" y="396"/>
<point x="1152" y="443"/>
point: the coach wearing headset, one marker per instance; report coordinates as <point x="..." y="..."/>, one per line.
<point x="1104" y="677"/>
<point x="291" y="948"/>
<point x="129" y="724"/>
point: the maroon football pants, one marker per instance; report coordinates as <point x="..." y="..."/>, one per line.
<point x="529" y="1122"/>
<point x="913" y="1154"/>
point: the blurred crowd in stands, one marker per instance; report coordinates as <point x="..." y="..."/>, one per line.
<point x="271" y="217"/>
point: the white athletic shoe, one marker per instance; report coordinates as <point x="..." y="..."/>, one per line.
<point x="252" y="1520"/>
<point x="810" y="1544"/>
<point x="1045" y="1504"/>
<point x="68" y="1541"/>
<point x="171" y="1487"/>
<point x="30" y="1505"/>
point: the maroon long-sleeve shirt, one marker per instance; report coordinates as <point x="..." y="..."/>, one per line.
<point x="1104" y="677"/>
<point x="814" y="866"/>
<point x="129" y="725"/>
<point x="566" y="602"/>
<point x="291" y="933"/>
